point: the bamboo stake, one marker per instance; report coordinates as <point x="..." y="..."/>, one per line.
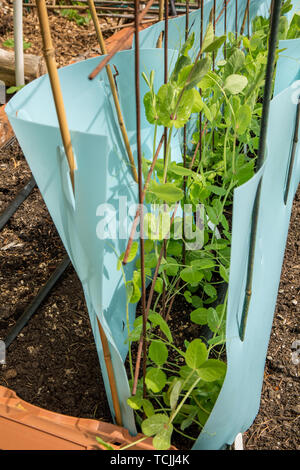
<point x="113" y="89"/>
<point x="110" y="373"/>
<point x="61" y="114"/>
<point x="49" y="54"/>
<point x="160" y="17"/>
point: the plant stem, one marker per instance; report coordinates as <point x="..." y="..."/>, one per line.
<point x="176" y="411"/>
<point x="233" y="154"/>
<point x="168" y="152"/>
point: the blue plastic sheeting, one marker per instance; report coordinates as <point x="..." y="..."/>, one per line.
<point x="239" y="399"/>
<point x="103" y="176"/>
<point x="289" y="66"/>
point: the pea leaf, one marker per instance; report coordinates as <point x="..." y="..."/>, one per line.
<point x="204" y="263"/>
<point x="213" y="319"/>
<point x="155" y="379"/>
<point x="174" y="395"/>
<point x="149" y="105"/>
<point x="159" y="285"/>
<point x="184" y="110"/>
<point x="148" y="407"/>
<point x="154" y="424"/>
<point x="235" y="62"/>
<point x="212" y="370"/>
<point x="168" y="192"/>
<point x="224" y="273"/>
<point x="235" y="83"/>
<point x="132" y="254"/>
<point x="210" y="290"/>
<point x="165" y="104"/>
<point x="135" y="402"/>
<point x="191" y="274"/>
<point x="198" y="103"/>
<point x="162" y="440"/>
<point x="181" y="62"/>
<point x="215" y="44"/>
<point x="243" y="119"/>
<point x="180" y="170"/>
<point x="199" y="316"/>
<point x="171" y="267"/>
<point x="192" y="74"/>
<point x="133" y="292"/>
<point x="157" y="320"/>
<point x="158" y="352"/>
<point x="187" y="45"/>
<point x="208" y="37"/>
<point x="196" y="354"/>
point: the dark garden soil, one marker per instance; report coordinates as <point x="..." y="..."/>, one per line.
<point x="53" y="363"/>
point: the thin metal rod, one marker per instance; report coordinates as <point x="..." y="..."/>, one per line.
<point x="200" y="91"/>
<point x="225" y="28"/>
<point x="36" y="302"/>
<point x="149" y="302"/>
<point x="137" y="214"/>
<point x="293" y="153"/>
<point x="113" y="90"/>
<point x="236" y="19"/>
<point x="53" y="74"/>
<point x="184" y="145"/>
<point x="248" y="20"/>
<point x="260" y="160"/>
<point x="166" y="42"/>
<point x="214" y="27"/>
<point x="49" y="54"/>
<point x="15" y="204"/>
<point x="119" y="45"/>
<point x="140" y="176"/>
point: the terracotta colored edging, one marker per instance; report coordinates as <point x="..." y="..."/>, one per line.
<point x="6" y="131"/>
<point x="28" y="427"/>
<point x="116" y="37"/>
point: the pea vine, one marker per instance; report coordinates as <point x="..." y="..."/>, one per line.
<point x="223" y="104"/>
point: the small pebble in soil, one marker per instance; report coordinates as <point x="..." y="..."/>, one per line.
<point x="297" y="409"/>
<point x="10" y="374"/>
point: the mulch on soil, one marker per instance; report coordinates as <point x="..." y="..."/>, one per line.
<point x="53" y="363"/>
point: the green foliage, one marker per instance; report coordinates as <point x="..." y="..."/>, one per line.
<point x="11" y="43"/>
<point x="73" y="15"/>
<point x="183" y="382"/>
<point x="13" y="89"/>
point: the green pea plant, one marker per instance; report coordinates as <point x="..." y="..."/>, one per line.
<point x="222" y="102"/>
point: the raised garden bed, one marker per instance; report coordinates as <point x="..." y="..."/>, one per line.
<point x="173" y="307"/>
